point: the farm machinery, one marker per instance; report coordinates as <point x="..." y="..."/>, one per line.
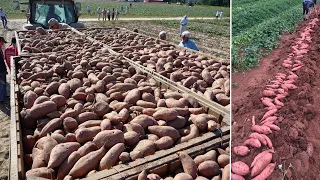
<point x="39" y="12"/>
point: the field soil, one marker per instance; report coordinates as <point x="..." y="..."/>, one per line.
<point x="298" y="140"/>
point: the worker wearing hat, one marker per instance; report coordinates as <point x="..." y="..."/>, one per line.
<point x="187" y="42"/>
<point x="54" y="24"/>
<point x="3" y="72"/>
<point x="163" y="35"/>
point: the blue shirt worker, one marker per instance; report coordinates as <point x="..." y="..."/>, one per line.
<point x="187" y="42"/>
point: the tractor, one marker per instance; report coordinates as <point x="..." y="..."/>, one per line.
<point x="39" y="12"/>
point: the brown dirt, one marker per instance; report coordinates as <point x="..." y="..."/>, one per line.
<point x="299" y="120"/>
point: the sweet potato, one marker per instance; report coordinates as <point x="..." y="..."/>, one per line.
<point x="134" y="127"/>
<point x="269" y="143"/>
<point x="58" y="99"/>
<point x="194" y="132"/>
<point x="260" y="155"/>
<point x="67" y="164"/>
<point x="29" y="98"/>
<point x="101" y="108"/>
<point x="269" y="113"/>
<point x="146" y="104"/>
<point x="58" y="137"/>
<point x="51" y="126"/>
<point x="269" y="93"/>
<point x="164" y="143"/>
<point x="177" y="123"/>
<point x="212" y="125"/>
<point x="167" y="114"/>
<point x="223" y="159"/>
<point x="111" y="157"/>
<point x="209" y="156"/>
<point x="41" y="110"/>
<point x="42" y="172"/>
<point x="203" y="178"/>
<point x="241" y="150"/>
<point x="143" y="175"/>
<point x="261" y="129"/>
<point x="181" y="103"/>
<point x="261" y="164"/>
<point x="64" y="90"/>
<point x="131" y="138"/>
<point x="144" y="120"/>
<point x="240" y="168"/>
<point x="124" y="157"/>
<point x="84" y="135"/>
<point x="183" y="176"/>
<point x="52" y="88"/>
<point x="109" y="138"/>
<point x="71" y="137"/>
<point x="105" y="125"/>
<point x="252" y="142"/>
<point x="49" y="144"/>
<point x="223" y="99"/>
<point x="162" y="131"/>
<point x="70" y="123"/>
<point x="236" y="177"/>
<point x="200" y="122"/>
<point x="143" y="148"/>
<point x="260" y="137"/>
<point x="209" y="169"/>
<point x="124" y="114"/>
<point x="60" y="152"/>
<point x="87" y="163"/>
<point x="266" y="172"/>
<point x="85" y="116"/>
<point x="41" y="99"/>
<point x="133" y="96"/>
<point x="226" y="173"/>
<point x="38" y="158"/>
<point x="189" y="166"/>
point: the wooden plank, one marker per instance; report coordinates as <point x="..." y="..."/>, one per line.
<point x="132" y="173"/>
<point x="14" y="163"/>
<point x="163" y="153"/>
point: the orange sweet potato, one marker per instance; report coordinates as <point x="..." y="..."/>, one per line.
<point x="183" y="176"/>
<point x="67" y="165"/>
<point x="144" y="121"/>
<point x="252" y="142"/>
<point x="131" y="138"/>
<point x="259" y="137"/>
<point x="51" y="126"/>
<point x="42" y="172"/>
<point x="167" y="114"/>
<point x="164" y="143"/>
<point x="143" y="148"/>
<point x="209" y="169"/>
<point x="29" y="98"/>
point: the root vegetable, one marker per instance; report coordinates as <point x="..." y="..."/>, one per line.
<point x="241" y="150"/>
<point x="252" y="142"/>
<point x="162" y="131"/>
<point x="261" y="129"/>
<point x="143" y="148"/>
<point x="266" y="172"/>
<point x="108" y="138"/>
<point x="259" y="156"/>
<point x="240" y="168"/>
<point x="268" y="93"/>
<point x="261" y="164"/>
<point x="183" y="176"/>
<point x="164" y="143"/>
<point x="60" y="152"/>
<point x="111" y="157"/>
<point x="226" y="172"/>
<point x="144" y="120"/>
<point x="259" y="137"/>
<point x="269" y="143"/>
<point x="167" y="114"/>
<point x="42" y="172"/>
<point x="236" y="177"/>
<point x="188" y="164"/>
<point x="223" y="159"/>
<point x="273" y="127"/>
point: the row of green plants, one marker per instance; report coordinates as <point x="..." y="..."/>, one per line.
<point x="245" y="17"/>
<point x="213" y="28"/>
<point x="249" y="46"/>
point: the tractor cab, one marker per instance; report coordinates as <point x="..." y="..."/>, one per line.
<point x="41" y="11"/>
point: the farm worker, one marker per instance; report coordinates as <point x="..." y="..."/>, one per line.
<point x="108" y="13"/>
<point x="3" y="18"/>
<point x="183" y="24"/>
<point x="163" y="35"/>
<point x="3" y="72"/>
<point x="221" y="14"/>
<point x="117" y="14"/>
<point x="12" y="50"/>
<point x="187" y="42"/>
<point x="127" y="10"/>
<point x="136" y="31"/>
<point x="217" y="14"/>
<point x="112" y="15"/>
<point x="99" y="13"/>
<point x="121" y="8"/>
<point x="89" y="10"/>
<point x="104" y="14"/>
<point x="54" y="24"/>
<point x="306" y="5"/>
<point x="130" y="5"/>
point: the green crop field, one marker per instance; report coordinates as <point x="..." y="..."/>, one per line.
<point x="257" y="26"/>
<point x="138" y="10"/>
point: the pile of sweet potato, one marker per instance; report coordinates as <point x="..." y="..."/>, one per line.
<point x="55" y="41"/>
<point x="201" y="74"/>
<point x="114" y="37"/>
<point x="273" y="95"/>
<point x="88" y="111"/>
<point x="212" y="165"/>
